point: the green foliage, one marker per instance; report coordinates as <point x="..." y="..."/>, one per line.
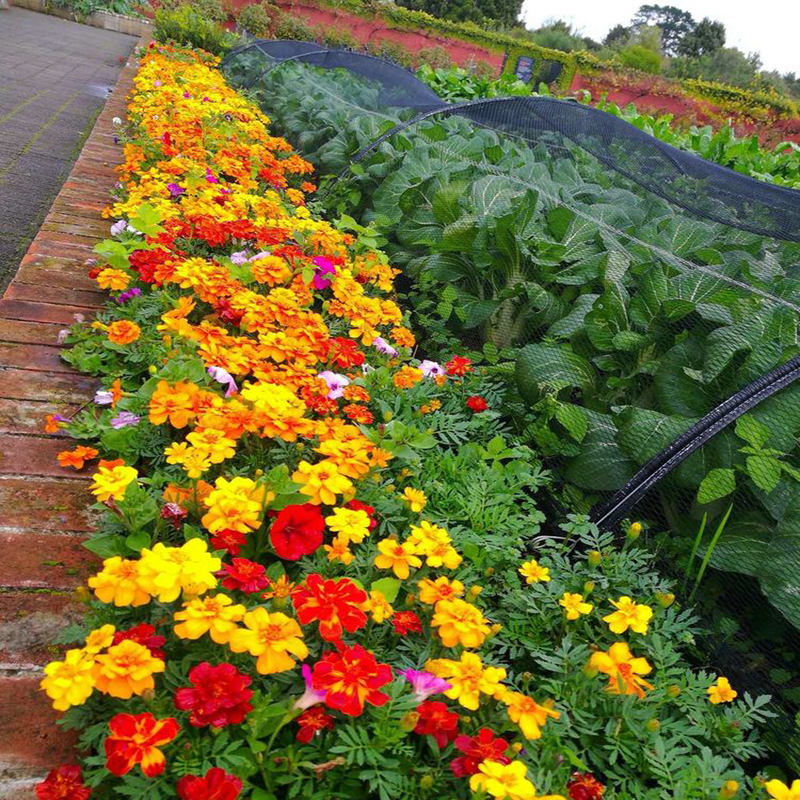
<point x="258" y="19"/>
<point x="478" y="11"/>
<point x="674" y="24"/>
<point x="456" y="84"/>
<point x="185" y="25"/>
<point x="83" y="8"/>
<point x="637" y="56"/>
<point x="707" y="37"/>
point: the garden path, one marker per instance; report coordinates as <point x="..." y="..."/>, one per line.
<point x="55" y="76"/>
<point x="43" y="514"/>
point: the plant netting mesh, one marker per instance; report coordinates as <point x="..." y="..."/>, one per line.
<point x="648" y="300"/>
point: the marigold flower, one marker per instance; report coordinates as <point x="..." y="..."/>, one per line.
<point x="65" y="782"/>
<point x="216" y="784"/>
<point x="126" y="669"/>
<point x="584" y="786"/>
<point x="212" y="444"/>
<point x="71" y="681"/>
<point x="54" y="423"/>
<point x="111" y="482"/>
<point x="336" y="604"/>
<point x="435" y="719"/>
<point x="218" y="696"/>
<point x="274" y="638"/>
<point x="352" y="525"/>
<point x="311" y="722"/>
<point x="321" y="482"/>
<point x="533" y="572"/>
<point x="339" y="550"/>
<point x="378" y="606"/>
<point x="458" y="366"/>
<point x="217" y="616"/>
<point x="405" y="622"/>
<point x="406" y="377"/>
<point x="481" y="747"/>
<point x="164" y="572"/>
<point x="460" y="623"/>
<point x="623" y="670"/>
<point x="143" y="634"/>
<point x="574" y="606"/>
<point x="280" y="590"/>
<point x="118" y="583"/>
<point x="123" y="331"/>
<point x="174" y="403"/>
<point x="527" y="713"/>
<point x="721" y="692"/>
<point x="415" y="498"/>
<point x="99" y="639"/>
<point x="780" y="791"/>
<point x="244" y="575"/>
<point x="136" y="740"/>
<point x="397" y="556"/>
<point x="477" y="404"/>
<point x="628" y="615"/>
<point x="76" y="458"/>
<point x="432" y="591"/>
<point x="468" y="678"/>
<point x="229" y="540"/>
<point x="351" y="678"/>
<point x="235" y="504"/>
<point x="503" y="781"/>
<point x="114" y="279"/>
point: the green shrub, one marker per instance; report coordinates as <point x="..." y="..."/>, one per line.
<point x="336" y="38"/>
<point x="289" y="27"/>
<point x="186" y="26"/>
<point x="258" y="19"/>
<point x="637" y="56"/>
<point x="436" y="57"/>
<point x="391" y="51"/>
<point x="214" y="10"/>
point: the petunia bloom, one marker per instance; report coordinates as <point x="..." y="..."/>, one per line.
<point x="297" y="531"/>
<point x="425" y="683"/>
<point x="124" y="420"/>
<point x="336" y="383"/>
<point x="311" y="696"/>
<point x="382" y="346"/>
<point x="136" y="739"/>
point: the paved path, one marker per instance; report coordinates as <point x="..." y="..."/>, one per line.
<point x="54" y="78"/>
<point x="44" y="512"/>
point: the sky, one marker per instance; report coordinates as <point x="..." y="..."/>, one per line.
<point x="768" y="27"/>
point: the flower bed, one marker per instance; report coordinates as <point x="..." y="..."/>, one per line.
<point x="314" y="581"/>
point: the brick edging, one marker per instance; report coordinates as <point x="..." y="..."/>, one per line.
<point x="45" y="513"/>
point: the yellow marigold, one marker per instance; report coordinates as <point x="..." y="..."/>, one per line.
<point x="215" y="615"/>
<point x="433" y="591"/>
<point x="214" y="444"/>
<point x="126" y="669"/>
<point x="533" y="572"/>
<point x="527" y="713"/>
<point x="123" y="331"/>
<point x="623" y="670"/>
<point x="460" y="623"/>
<point x="118" y="583"/>
<point x="468" y="677"/>
<point x="406" y="377"/>
<point x="164" y="572"/>
<point x="721" y="692"/>
<point x="271" y="270"/>
<point x="628" y="615"/>
<point x="274" y="638"/>
<point x="174" y="403"/>
<point x="71" y="681"/>
<point x="114" y="279"/>
<point x="434" y="543"/>
<point x="378" y="606"/>
<point x="415" y="498"/>
<point x="397" y="556"/>
<point x="339" y="550"/>
<point x="235" y="504"/>
<point x="99" y="639"/>
<point x="111" y="482"/>
<point x="195" y="462"/>
<point x="349" y="524"/>
<point x="574" y="605"/>
<point x="780" y="791"/>
<point x="321" y="482"/>
<point x="505" y="782"/>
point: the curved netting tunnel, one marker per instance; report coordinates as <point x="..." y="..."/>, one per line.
<point x="644" y="301"/>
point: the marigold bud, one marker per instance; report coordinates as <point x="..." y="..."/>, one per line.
<point x="152" y="369"/>
<point x="593" y="557"/>
<point x="387" y="416"/>
<point x="411" y="599"/>
<point x="653" y="725"/>
<point x="391" y="487"/>
<point x="259" y="473"/>
<point x="409" y="721"/>
<point x="589" y="671"/>
<point x="729" y="789"/>
<point x="300" y="446"/>
<point x="526" y="676"/>
<point x="665" y="599"/>
<point x="425" y="782"/>
<point x="82" y="594"/>
<point x="279" y="602"/>
<point x="474" y="591"/>
<point x="588" y="587"/>
<point x="465" y="720"/>
<point x="549" y="703"/>
<point x="673" y="691"/>
<point x="495" y="629"/>
<point x="488" y="572"/>
<point x="516" y="747"/>
<point x="634" y="531"/>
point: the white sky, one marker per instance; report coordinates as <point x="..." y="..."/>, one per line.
<point x="768" y="27"/>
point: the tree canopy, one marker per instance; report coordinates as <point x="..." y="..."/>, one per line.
<point x="503" y="11"/>
<point x="674" y="23"/>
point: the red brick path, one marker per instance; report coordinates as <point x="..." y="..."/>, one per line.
<point x="43" y="511"/>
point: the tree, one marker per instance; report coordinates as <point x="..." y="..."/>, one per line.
<point x="618" y="35"/>
<point x="707" y="37"/>
<point x="726" y="65"/>
<point x="674" y="24"/>
<point x="505" y="12"/>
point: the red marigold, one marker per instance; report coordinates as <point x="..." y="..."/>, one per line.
<point x="584" y="786"/>
<point x="145" y="635"/>
<point x="345" y="353"/>
<point x="311" y="721"/>
<point x="436" y="720"/>
<point x="458" y="366"/>
<point x="351" y="678"/>
<point x="218" y="696"/>
<point x="244" y="575"/>
<point x="232" y="541"/>
<point x="216" y="784"/>
<point x="135" y="739"/>
<point x="334" y="603"/>
<point x="357" y="505"/>
<point x="358" y="413"/>
<point x="478" y="748"/>
<point x="297" y="531"/>
<point x="406" y="622"/>
<point x="477" y="403"/>
<point x="63" y="783"/>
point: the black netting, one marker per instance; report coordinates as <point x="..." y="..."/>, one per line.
<point x="647" y="299"/>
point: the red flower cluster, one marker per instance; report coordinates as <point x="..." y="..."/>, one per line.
<point x="63" y="783"/>
<point x="351" y="678"/>
<point x="334" y="603"/>
<point x="232" y="541"/>
<point x="436" y="720"/>
<point x="584" y="786"/>
<point x="145" y="635"/>
<point x="216" y="784"/>
<point x="311" y="721"/>
<point x="297" y="531"/>
<point x="476" y="403"/>
<point x="345" y="353"/>
<point x="458" y="366"/>
<point x="135" y="740"/>
<point x="406" y="622"/>
<point x="244" y="575"/>
<point x="476" y="749"/>
<point x="218" y="696"/>
<point x="357" y="505"/>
